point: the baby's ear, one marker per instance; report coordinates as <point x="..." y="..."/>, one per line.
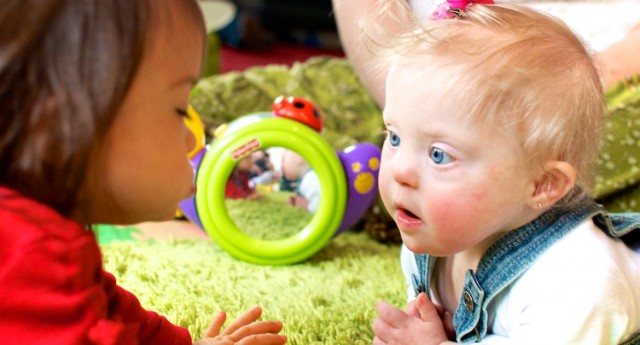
<point x="557" y="179"/>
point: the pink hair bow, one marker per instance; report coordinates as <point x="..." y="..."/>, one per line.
<point x="449" y="8"/>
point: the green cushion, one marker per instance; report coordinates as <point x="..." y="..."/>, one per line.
<point x="618" y="175"/>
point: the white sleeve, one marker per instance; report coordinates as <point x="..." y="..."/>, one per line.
<point x="409" y="268"/>
<point x="310" y="189"/>
<point x="583" y="290"/>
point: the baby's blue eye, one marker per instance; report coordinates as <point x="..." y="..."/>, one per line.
<point x="440" y="157"/>
<point x="394" y="138"/>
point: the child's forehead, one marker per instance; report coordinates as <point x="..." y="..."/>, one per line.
<point x="424" y="80"/>
<point x="428" y="85"/>
<point x="426" y="71"/>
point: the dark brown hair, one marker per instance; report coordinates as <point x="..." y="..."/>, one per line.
<point x="65" y="68"/>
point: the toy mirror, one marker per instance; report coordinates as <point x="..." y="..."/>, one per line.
<point x="345" y="180"/>
<point x="272" y="194"/>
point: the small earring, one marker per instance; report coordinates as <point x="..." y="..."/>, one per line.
<point x="539" y="205"/>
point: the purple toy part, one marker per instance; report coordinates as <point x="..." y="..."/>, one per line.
<point x="361" y="163"/>
<point x="188" y="206"/>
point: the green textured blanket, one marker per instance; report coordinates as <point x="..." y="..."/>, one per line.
<point x="328" y="300"/>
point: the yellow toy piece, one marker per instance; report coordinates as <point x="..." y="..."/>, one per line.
<point x="196" y="127"/>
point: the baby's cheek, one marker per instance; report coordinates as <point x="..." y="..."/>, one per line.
<point x="452" y="217"/>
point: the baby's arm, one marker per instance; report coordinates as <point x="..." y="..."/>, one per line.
<point x="246" y="330"/>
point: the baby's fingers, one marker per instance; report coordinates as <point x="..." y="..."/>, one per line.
<point x="391" y="315"/>
<point x="248" y="317"/>
<point x="426" y="308"/>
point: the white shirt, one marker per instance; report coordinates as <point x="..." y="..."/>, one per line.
<point x="309" y="188"/>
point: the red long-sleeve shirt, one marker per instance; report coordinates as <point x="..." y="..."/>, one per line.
<point x="238" y="185"/>
<point x="54" y="290"/>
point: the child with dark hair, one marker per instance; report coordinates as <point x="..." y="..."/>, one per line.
<point x="93" y="96"/>
<point x="238" y="185"/>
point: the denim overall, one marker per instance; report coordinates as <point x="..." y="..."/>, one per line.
<point x="512" y="255"/>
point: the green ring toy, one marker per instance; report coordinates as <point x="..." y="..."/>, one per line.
<point x="261" y="132"/>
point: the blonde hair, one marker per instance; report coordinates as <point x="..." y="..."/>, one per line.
<point x="520" y="69"/>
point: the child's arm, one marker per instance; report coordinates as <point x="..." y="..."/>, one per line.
<point x="621" y="59"/>
<point x="350" y="15"/>
<point x="53" y="288"/>
<point x="244" y="331"/>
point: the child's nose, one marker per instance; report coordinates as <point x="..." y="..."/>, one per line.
<point x="190" y="140"/>
<point x="404" y="170"/>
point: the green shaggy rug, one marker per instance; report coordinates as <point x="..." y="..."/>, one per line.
<point x="329" y="299"/>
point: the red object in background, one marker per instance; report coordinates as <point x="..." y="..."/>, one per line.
<point x="234" y="59"/>
<point x="299" y="109"/>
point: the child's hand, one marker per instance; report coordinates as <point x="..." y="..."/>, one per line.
<point x="445" y="316"/>
<point x="422" y="326"/>
<point x="244" y="331"/>
<point x="254" y="196"/>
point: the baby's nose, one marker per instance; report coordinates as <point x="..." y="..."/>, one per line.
<point x="405" y="171"/>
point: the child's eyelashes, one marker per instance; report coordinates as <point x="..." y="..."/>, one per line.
<point x="392" y="137"/>
<point x="183" y="112"/>
<point x="438" y="156"/>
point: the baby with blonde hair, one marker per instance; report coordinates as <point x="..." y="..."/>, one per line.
<point x="494" y="115"/>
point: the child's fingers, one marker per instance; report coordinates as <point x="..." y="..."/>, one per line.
<point x="389" y="322"/>
<point x="257" y="328"/>
<point x="391" y="315"/>
<point x="382" y="331"/>
<point x="426" y="308"/>
<point x="216" y="325"/>
<point x="412" y="310"/>
<point x="248" y="317"/>
<point x="447" y="321"/>
<point x="263" y="339"/>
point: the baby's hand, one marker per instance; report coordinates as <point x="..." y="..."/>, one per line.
<point x="244" y="331"/>
<point x="445" y="316"/>
<point x="394" y="326"/>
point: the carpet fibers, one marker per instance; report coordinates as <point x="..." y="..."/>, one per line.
<point x="329" y="299"/>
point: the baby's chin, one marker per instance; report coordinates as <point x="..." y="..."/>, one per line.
<point x="422" y="247"/>
<point x="413" y="245"/>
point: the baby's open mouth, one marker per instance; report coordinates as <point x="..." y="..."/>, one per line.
<point x="408" y="214"/>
